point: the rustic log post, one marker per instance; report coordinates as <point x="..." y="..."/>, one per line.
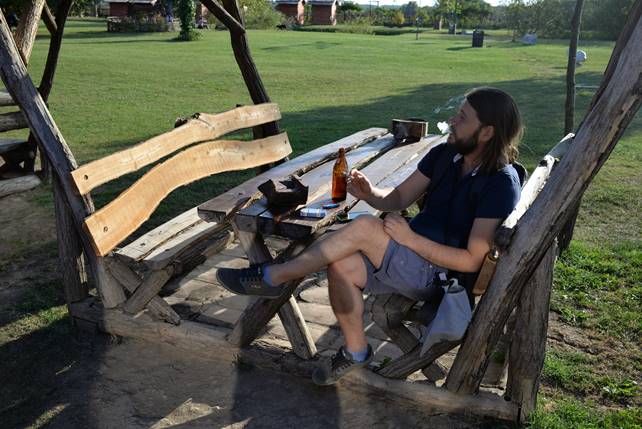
<point x="49" y="20"/>
<point x="46" y="82"/>
<point x="28" y="27"/>
<point x="248" y="69"/>
<point x="18" y="83"/>
<point x="566" y="235"/>
<point x="528" y="347"/>
<point x="617" y="102"/>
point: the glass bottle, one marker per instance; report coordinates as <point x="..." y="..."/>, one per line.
<point x="339" y="177"/>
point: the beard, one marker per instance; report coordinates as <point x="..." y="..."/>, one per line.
<point x="466" y="146"/>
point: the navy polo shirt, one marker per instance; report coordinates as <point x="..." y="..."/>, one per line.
<point x="449" y="211"/>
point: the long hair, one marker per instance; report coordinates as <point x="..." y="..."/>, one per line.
<point x="496" y="108"/>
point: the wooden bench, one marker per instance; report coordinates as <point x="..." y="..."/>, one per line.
<point x="143" y="266"/>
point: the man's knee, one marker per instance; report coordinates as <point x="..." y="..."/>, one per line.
<point x="365" y="226"/>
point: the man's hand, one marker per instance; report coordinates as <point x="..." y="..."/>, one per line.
<point x="358" y="185"/>
<point x="398" y="229"/>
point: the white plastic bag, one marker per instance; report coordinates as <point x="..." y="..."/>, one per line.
<point x="452" y="319"/>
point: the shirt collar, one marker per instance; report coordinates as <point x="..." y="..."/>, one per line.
<point x="459" y="156"/>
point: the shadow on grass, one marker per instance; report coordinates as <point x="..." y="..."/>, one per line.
<point x="316" y="45"/>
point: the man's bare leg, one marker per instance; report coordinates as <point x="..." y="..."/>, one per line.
<point x="364" y="234"/>
<point x="346" y="279"/>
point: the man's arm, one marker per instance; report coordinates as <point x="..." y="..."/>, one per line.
<point x="467" y="260"/>
<point x="391" y="199"/>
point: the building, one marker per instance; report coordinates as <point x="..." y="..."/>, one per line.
<point x="324" y="12"/>
<point x="123" y="8"/>
<point x="294" y="9"/>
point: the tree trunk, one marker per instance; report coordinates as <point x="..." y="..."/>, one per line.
<point x="615" y="105"/>
<point x="28" y="27"/>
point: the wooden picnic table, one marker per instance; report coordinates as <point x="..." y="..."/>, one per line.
<point x="375" y="152"/>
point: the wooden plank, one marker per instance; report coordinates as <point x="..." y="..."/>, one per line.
<point x="28" y="27"/>
<point x="616" y="104"/>
<point x="131" y="281"/>
<point x="147" y="290"/>
<point x="7" y="145"/>
<point x="222" y="206"/>
<point x="138" y="249"/>
<point x="202" y="127"/>
<point x="529" y="338"/>
<point x="109" y="289"/>
<point x="113" y="223"/>
<point x="411" y="362"/>
<point x="209" y="341"/>
<point x="319" y="181"/>
<point x="12" y="121"/>
<point x="6" y="99"/>
<point x="18" y="184"/>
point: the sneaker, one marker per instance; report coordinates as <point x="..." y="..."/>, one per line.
<point x="340" y="364"/>
<point x="247" y="281"/>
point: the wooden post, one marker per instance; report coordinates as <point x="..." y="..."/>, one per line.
<point x="257" y="315"/>
<point x="28" y="27"/>
<point x="46" y="82"/>
<point x="528" y="347"/>
<point x="248" y="68"/>
<point x="18" y="83"/>
<point x="617" y="103"/>
<point x="566" y="235"/>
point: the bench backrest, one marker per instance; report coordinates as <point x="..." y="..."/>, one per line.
<point x="115" y="221"/>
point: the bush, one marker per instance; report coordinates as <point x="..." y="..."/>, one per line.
<point x="186" y="11"/>
<point x="259" y="14"/>
<point x="361" y="25"/>
<point x="138" y="24"/>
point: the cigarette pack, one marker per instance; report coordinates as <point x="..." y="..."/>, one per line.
<point x="312" y="212"/>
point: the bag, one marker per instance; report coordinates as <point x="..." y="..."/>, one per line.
<point x="452" y="318"/>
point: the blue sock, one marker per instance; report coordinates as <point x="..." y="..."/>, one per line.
<point x="359" y="356"/>
<point x="266" y="275"/>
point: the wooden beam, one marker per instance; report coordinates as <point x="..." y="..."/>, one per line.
<point x="28" y="27"/>
<point x="46" y="82"/>
<point x="6" y="99"/>
<point x="222" y="15"/>
<point x="18" y="184"/>
<point x="23" y="91"/>
<point x="147" y="290"/>
<point x="49" y="20"/>
<point x="131" y="281"/>
<point x="600" y="131"/>
<point x="12" y="121"/>
<point x="114" y="222"/>
<point x="529" y="338"/>
<point x="248" y="69"/>
<point x="203" y="127"/>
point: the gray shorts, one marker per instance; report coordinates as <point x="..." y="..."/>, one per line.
<point x="402" y="271"/>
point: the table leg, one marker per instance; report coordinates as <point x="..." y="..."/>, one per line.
<point x="257" y="315"/>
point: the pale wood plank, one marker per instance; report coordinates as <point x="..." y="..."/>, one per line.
<point x="201" y="128"/>
<point x="18" y="184"/>
<point x="113" y="223"/>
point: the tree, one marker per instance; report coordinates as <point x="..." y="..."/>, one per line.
<point x="186" y="11"/>
<point x="350" y="6"/>
<point x="410" y="10"/>
<point x="516" y="14"/>
<point x="398" y="18"/>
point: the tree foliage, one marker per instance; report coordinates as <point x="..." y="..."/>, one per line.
<point x="186" y="10"/>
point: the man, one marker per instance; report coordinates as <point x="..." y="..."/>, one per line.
<point x="453" y="232"/>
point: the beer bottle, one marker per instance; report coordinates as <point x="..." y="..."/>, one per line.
<point x="339" y="177"/>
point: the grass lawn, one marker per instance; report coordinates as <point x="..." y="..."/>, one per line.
<point x="112" y="91"/>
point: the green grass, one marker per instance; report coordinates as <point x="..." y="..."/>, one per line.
<point x="113" y="90"/>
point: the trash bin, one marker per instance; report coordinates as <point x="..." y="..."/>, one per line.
<point x="478" y="38"/>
